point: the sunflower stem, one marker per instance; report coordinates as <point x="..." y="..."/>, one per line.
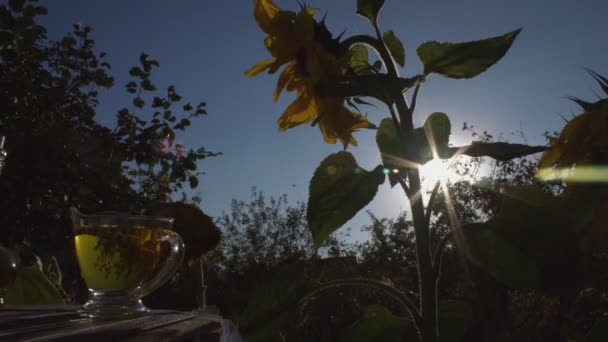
<point x="427" y="281"/>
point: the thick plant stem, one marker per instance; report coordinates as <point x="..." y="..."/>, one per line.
<point x="427" y="279"/>
<point x="426" y="275"/>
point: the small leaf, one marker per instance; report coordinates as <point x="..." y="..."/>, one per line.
<point x="137" y="72"/>
<point x="138" y="102"/>
<point x="395" y="47"/>
<point x="132" y="87"/>
<point x="338" y="190"/>
<point x="464" y="60"/>
<point x="437" y="128"/>
<point x="146" y="62"/>
<point x="369" y="9"/>
<point x="146" y="84"/>
<point x="32" y="287"/>
<point x="185" y="122"/>
<point x="358" y="57"/>
<point x="157" y="102"/>
<point x="187" y="107"/>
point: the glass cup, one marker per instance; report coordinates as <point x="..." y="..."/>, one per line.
<point x="2" y="152"/>
<point x="123" y="258"/>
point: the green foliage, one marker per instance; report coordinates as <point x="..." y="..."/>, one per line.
<point x="276" y="298"/>
<point x="524" y="217"/>
<point x="500" y="151"/>
<point x="60" y="155"/>
<point x="395" y="47"/>
<point x="32" y="287"/>
<point x="433" y="136"/>
<point x="379" y="324"/>
<point x="484" y="247"/>
<point x="455" y="318"/>
<point x="338" y="190"/>
<point x="358" y="59"/>
<point x="464" y="60"/>
<point x="370" y="9"/>
<point x="438" y="129"/>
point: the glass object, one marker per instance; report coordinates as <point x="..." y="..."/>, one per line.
<point x="2" y="152"/>
<point x="8" y="272"/>
<point x="8" y="264"/>
<point x="123" y="258"/>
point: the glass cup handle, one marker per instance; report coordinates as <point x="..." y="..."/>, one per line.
<point x="171" y="266"/>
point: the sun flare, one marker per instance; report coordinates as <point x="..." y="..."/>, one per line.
<point x="437" y="170"/>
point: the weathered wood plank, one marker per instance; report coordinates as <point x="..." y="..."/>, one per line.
<point x="204" y="327"/>
<point x="63" y="323"/>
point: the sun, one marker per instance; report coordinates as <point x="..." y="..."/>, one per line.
<point x="437" y="170"/>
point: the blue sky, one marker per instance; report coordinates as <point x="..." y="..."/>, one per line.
<point x="205" y="46"/>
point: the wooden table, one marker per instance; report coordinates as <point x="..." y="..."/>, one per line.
<point x="63" y="323"/>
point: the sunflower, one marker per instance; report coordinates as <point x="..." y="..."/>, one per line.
<point x="584" y="139"/>
<point x="309" y="54"/>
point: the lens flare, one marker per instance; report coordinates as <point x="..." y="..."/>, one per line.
<point x="576" y="174"/>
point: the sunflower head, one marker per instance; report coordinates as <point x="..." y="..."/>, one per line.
<point x="197" y="230"/>
<point x="310" y="54"/>
<point x="584" y="139"/>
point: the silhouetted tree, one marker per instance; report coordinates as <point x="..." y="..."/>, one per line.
<point x="59" y="155"/>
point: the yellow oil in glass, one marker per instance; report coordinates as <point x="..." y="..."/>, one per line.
<point x="115" y="258"/>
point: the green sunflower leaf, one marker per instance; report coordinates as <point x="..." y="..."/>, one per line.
<point x="464" y="60"/>
<point x="395" y="47"/>
<point x="338" y="189"/>
<point x="32" y="287"/>
<point x="489" y="250"/>
<point x="369" y="9"/>
<point x="438" y="129"/>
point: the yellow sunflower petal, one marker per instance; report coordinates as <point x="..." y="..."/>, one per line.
<point x="285" y="79"/>
<point x="264" y="12"/>
<point x="338" y="123"/>
<point x="328" y="135"/>
<point x="259" y="67"/>
<point x="302" y="110"/>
